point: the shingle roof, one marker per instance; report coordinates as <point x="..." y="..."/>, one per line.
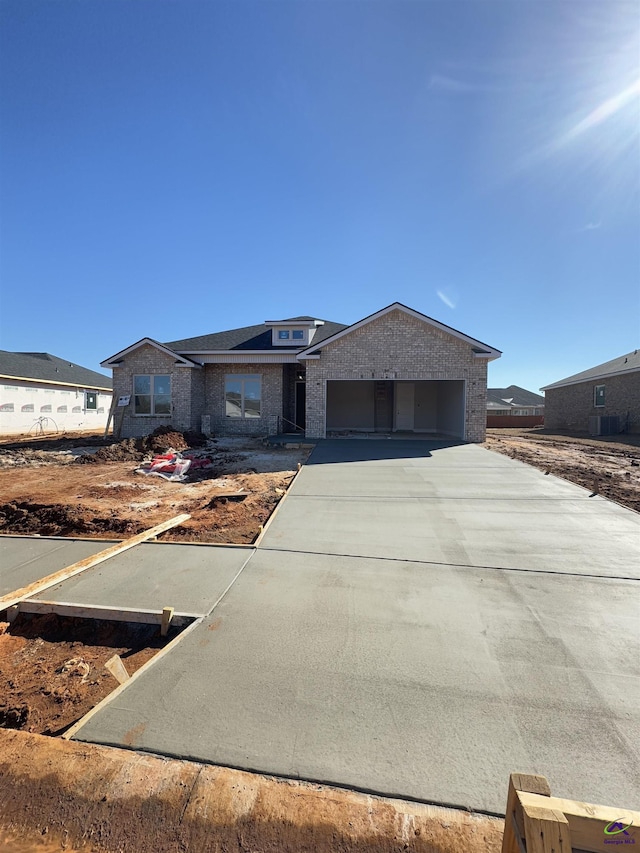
<point x="623" y="364"/>
<point x="44" y="367"/>
<point x="516" y="395"/>
<point x="247" y="338"/>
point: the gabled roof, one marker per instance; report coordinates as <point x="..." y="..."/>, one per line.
<point x="44" y="367"/>
<point x="114" y="360"/>
<point x="628" y="363"/>
<point x="481" y="350"/>
<point x="514" y="396"/>
<point x="247" y="338"/>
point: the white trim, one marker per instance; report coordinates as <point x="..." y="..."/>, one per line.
<point x="564" y="383"/>
<point x="54" y="382"/>
<point x="112" y="361"/>
<point x="490" y="354"/>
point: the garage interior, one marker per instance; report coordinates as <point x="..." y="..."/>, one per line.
<point x="392" y="406"/>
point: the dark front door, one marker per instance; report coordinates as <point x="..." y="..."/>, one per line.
<point x="301" y="404"/>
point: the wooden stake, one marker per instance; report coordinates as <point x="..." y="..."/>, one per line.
<point x="117" y="669"/>
<point x="12" y="598"/>
<point x="546" y="830"/>
<point x="167" y="616"/>
<point x="513" y="822"/>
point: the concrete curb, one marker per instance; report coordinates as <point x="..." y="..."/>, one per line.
<point x="106" y="800"/>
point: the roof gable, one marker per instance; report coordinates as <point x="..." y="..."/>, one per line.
<point x="114" y="360"/>
<point x="251" y="338"/>
<point x="481" y="349"/>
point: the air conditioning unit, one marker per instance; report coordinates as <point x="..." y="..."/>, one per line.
<point x="604" y="425"/>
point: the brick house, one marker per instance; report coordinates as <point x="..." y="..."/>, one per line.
<point x="603" y="399"/>
<point x="514" y="407"/>
<point x="394" y="371"/>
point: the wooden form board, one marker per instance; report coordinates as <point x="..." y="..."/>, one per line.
<point x="12" y="598"/>
<point x="163" y="617"/>
<point x="536" y="822"/>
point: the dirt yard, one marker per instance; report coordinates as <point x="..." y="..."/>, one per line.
<point x="89" y="488"/>
<point x="52" y="668"/>
<point x="612" y="465"/>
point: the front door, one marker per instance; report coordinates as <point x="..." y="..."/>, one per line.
<point x="403" y="420"/>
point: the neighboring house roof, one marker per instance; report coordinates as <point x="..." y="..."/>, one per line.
<point x="482" y="350"/>
<point x="248" y="338"/>
<point x="628" y="363"/>
<point x="44" y="367"/>
<point x="514" y="396"/>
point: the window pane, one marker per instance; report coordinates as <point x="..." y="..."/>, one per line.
<point x="162" y="404"/>
<point x="252" y="399"/>
<point x="142" y="384"/>
<point x="599" y="395"/>
<point x="298" y="335"/>
<point x="233" y="398"/>
<point x="92" y="401"/>
<point x="161" y="384"/>
<point x="283" y="334"/>
<point x="142" y="404"/>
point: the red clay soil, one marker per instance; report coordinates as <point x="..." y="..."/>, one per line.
<point x="52" y="667"/>
<point x="44" y="492"/>
<point x="613" y="466"/>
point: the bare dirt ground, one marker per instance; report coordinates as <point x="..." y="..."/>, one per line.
<point x="89" y="488"/>
<point x="611" y="464"/>
<point x="52" y="668"/>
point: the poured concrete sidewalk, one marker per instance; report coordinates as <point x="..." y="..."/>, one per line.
<point x="405" y="628"/>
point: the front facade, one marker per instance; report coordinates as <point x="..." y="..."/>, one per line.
<point x="396" y="371"/>
<point x="602" y="400"/>
<point x="41" y="393"/>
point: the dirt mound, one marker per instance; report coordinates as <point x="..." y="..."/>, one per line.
<point x="161" y="440"/>
<point x="61" y="520"/>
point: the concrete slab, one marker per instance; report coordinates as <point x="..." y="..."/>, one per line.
<point x="460" y="504"/>
<point x="189" y="578"/>
<point x="407" y="679"/>
<point x="26" y="559"/>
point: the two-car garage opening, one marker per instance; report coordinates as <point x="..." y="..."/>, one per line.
<point x="394" y="406"/>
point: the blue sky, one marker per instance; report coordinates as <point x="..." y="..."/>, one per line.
<point x="176" y="168"/>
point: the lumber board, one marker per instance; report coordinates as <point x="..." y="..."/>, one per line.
<point x="513" y="824"/>
<point x="546" y="830"/>
<point x="31" y="589"/>
<point x="586" y="821"/>
<point x="117" y="669"/>
<point x="100" y="611"/>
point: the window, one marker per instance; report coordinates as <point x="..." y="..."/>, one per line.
<point x="90" y="400"/>
<point x="152" y="395"/>
<point x="283" y="335"/>
<point x="45" y="408"/>
<point x="298" y="335"/>
<point x="598" y="395"/>
<point x="242" y="396"/>
<point x="28" y="407"/>
<point x="62" y="410"/>
<point x="6" y="407"/>
<point x="77" y="409"/>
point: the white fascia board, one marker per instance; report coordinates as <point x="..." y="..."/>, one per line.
<point x="248" y="357"/>
<point x="307" y="323"/>
<point x="597" y="378"/>
<point x="114" y="359"/>
<point x="491" y="352"/>
<point x="55" y="382"/>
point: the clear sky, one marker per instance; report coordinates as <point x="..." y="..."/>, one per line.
<point x="170" y="169"/>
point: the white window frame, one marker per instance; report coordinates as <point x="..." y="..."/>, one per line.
<point x="597" y="405"/>
<point x="152" y="394"/>
<point x="242" y="378"/>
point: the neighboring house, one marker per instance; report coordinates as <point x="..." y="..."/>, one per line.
<point x="394" y="371"/>
<point x="514" y="407"/>
<point x="602" y="400"/>
<point x="41" y="392"/>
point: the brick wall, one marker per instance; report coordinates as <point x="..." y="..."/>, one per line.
<point x="184" y="404"/>
<point x="271" y="410"/>
<point x="398" y="346"/>
<point x="570" y="407"/>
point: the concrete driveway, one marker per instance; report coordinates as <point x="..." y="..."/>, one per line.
<point x="418" y="620"/>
